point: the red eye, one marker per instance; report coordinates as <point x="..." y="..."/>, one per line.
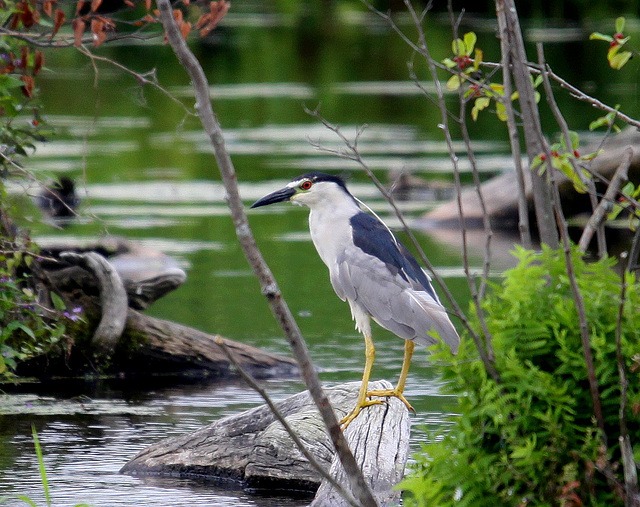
<point x="306" y="185"/>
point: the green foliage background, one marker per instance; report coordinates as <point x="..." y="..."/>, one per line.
<point x="532" y="439"/>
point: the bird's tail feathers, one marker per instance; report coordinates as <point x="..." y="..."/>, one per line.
<point x="438" y="320"/>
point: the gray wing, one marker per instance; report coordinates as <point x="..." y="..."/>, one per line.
<point x="393" y="298"/>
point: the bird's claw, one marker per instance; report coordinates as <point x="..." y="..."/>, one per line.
<point x="385" y="393"/>
<point x="348" y="419"/>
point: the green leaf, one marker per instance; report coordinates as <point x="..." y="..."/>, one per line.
<point x="8" y="82"/>
<point x="628" y="188"/>
<point x="43" y="472"/>
<point x="599" y="122"/>
<point x="57" y="301"/>
<point x="28" y="331"/>
<point x="457" y="47"/>
<point x="537" y="81"/>
<point x="501" y="111"/>
<point x="620" y="24"/>
<point x="536" y="162"/>
<point x="575" y="139"/>
<point x="453" y="83"/>
<point x="600" y="36"/>
<point x="448" y="62"/>
<point x="613" y="214"/>
<point x="477" y="59"/>
<point x="469" y="42"/>
<point x="620" y="60"/>
<point x="479" y="104"/>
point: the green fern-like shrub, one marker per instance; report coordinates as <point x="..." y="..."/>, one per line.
<point x="532" y="439"/>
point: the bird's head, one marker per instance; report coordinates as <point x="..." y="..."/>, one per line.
<point x="311" y="189"/>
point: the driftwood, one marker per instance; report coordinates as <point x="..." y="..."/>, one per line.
<point x="113" y="300"/>
<point x="115" y="338"/>
<point x="253" y="451"/>
<point x="501" y="192"/>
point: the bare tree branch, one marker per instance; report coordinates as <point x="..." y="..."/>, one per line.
<point x="270" y="288"/>
<point x="509" y="27"/>
<point x="564" y="128"/>
<point x="274" y="410"/>
<point x="599" y="215"/>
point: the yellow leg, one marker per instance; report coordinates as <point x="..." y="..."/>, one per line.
<point x="370" y="353"/>
<point x="397" y="392"/>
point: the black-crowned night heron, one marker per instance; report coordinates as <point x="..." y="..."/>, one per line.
<point x="371" y="270"/>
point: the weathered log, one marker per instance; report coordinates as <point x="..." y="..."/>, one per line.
<point x="501" y="192"/>
<point x="253" y="450"/>
<point x="113" y="300"/>
<point x="155" y="345"/>
<point x="135" y="344"/>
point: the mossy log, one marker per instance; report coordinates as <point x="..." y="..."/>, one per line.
<point x="500" y="193"/>
<point x="252" y="450"/>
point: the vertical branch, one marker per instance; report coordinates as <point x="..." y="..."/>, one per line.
<point x="585" y="336"/>
<point x="564" y="129"/>
<point x="509" y="27"/>
<point x="632" y="498"/>
<point x="606" y="203"/>
<point x="476" y="293"/>
<point x="269" y="286"/>
<point x="514" y="141"/>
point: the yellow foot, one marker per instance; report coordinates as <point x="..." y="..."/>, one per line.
<point x="392" y="392"/>
<point x="354" y="413"/>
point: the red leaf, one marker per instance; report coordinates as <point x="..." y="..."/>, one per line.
<point x="79" y="6"/>
<point x="78" y="29"/>
<point x="185" y="28"/>
<point x="27" y="88"/>
<point x="47" y="7"/>
<point x="177" y="15"/>
<point x="24" y="57"/>
<point x="219" y="10"/>
<point x="203" y="20"/>
<point x="28" y="16"/>
<point x="59" y="19"/>
<point x="129" y="3"/>
<point x="147" y="4"/>
<point x="38" y="62"/>
<point x="95" y="5"/>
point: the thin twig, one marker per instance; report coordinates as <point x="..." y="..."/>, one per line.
<point x="514" y="141"/>
<point x="270" y="289"/>
<point x="294" y="436"/>
<point x="477" y="293"/>
<point x="424" y="51"/>
<point x="580" y="95"/>
<point x="599" y="215"/>
<point x="564" y="128"/>
<point x="146" y="78"/>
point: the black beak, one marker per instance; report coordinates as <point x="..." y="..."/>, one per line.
<point x="278" y="196"/>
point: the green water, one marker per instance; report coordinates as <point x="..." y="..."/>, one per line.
<point x="150" y="176"/>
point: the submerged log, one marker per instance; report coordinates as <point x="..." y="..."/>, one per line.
<point x="501" y="192"/>
<point x="253" y="451"/>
